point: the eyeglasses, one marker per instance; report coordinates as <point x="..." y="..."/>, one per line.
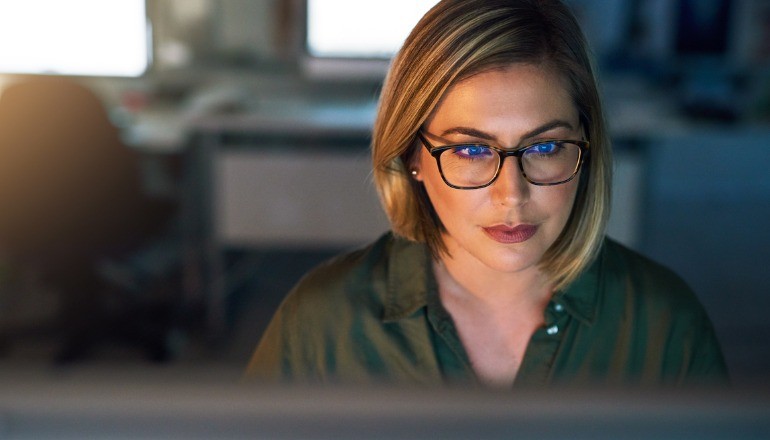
<point x="474" y="165"/>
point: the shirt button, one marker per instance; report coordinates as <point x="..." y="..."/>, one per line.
<point x="558" y="307"/>
<point x="552" y="330"/>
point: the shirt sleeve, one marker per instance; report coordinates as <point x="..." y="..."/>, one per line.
<point x="278" y="356"/>
<point x="707" y="366"/>
<point x="267" y="360"/>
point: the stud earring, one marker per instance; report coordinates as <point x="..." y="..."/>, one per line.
<point x="414" y="173"/>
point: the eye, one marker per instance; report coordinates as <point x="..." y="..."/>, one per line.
<point x="543" y="149"/>
<point x="472" y="151"/>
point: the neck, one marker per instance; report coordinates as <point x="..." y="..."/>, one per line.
<point x="468" y="279"/>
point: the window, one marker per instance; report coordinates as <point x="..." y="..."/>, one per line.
<point x="361" y="28"/>
<point x="74" y="37"/>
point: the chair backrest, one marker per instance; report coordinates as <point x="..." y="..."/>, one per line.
<point x="63" y="167"/>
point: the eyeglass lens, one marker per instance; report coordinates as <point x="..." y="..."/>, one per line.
<point x="477" y="165"/>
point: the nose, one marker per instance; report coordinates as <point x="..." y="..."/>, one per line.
<point x="510" y="188"/>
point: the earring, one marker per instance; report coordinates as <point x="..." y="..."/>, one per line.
<point x="414" y="173"/>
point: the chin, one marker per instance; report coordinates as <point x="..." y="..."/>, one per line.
<point x="497" y="257"/>
<point x="509" y="262"/>
<point x="515" y="267"/>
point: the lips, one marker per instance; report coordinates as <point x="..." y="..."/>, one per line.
<point x="508" y="234"/>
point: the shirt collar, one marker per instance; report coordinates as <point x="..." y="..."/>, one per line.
<point x="580" y="299"/>
<point x="410" y="277"/>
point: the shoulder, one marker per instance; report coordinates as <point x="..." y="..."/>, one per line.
<point x="671" y="313"/>
<point x="650" y="295"/>
<point x="318" y="313"/>
<point x="624" y="286"/>
<point x="345" y="270"/>
<point x="352" y="280"/>
<point x="331" y="325"/>
<point x="654" y="297"/>
<point x="644" y="320"/>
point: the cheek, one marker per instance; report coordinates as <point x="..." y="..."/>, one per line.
<point x="450" y="204"/>
<point x="559" y="200"/>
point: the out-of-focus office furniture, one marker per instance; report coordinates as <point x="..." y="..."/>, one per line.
<point x="296" y="178"/>
<point x="73" y="209"/>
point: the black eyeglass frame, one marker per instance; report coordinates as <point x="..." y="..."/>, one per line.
<point x="434" y="151"/>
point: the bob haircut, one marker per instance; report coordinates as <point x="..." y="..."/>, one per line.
<point x="460" y="38"/>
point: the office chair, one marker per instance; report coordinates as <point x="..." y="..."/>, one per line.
<point x="71" y="202"/>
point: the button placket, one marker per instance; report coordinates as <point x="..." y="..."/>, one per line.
<point x="555" y="315"/>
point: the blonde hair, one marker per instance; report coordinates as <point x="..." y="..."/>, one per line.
<point x="460" y="38"/>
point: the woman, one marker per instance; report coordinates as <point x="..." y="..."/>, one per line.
<point x="491" y="159"/>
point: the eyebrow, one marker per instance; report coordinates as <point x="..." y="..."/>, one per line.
<point x="468" y="131"/>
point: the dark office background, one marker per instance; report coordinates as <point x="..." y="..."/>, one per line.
<point x="687" y="90"/>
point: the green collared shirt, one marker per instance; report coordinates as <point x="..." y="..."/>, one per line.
<point x="374" y="316"/>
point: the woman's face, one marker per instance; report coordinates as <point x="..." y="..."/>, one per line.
<point x="509" y="225"/>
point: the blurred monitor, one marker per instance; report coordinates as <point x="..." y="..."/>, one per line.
<point x="169" y="409"/>
<point x="703" y="44"/>
<point x="74" y="37"/>
<point x="688" y="35"/>
<point x="703" y="28"/>
<point x="355" y="39"/>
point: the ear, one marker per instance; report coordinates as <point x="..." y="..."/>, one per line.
<point x="414" y="162"/>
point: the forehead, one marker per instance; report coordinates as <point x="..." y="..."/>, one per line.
<point x="525" y="94"/>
